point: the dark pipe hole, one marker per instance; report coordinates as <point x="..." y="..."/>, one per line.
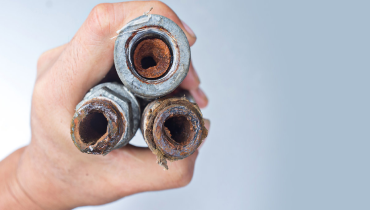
<point x="148" y="62"/>
<point x="178" y="128"/>
<point x="93" y="127"/>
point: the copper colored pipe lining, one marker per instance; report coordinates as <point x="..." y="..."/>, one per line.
<point x="152" y="58"/>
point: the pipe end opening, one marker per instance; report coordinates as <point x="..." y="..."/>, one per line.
<point x="93" y="127"/>
<point x="179" y="129"/>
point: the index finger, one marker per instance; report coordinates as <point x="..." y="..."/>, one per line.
<point x="89" y="55"/>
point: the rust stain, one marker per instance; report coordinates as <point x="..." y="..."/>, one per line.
<point x="152" y="58"/>
<point x="159" y="72"/>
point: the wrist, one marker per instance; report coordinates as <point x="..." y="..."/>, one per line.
<point x="12" y="195"/>
<point x="42" y="179"/>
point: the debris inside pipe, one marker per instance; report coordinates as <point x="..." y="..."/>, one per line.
<point x="173" y="128"/>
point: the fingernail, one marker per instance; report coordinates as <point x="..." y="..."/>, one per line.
<point x="199" y="97"/>
<point x="207" y="123"/>
<point x="201" y="94"/>
<point x="188" y="29"/>
<point x="196" y="76"/>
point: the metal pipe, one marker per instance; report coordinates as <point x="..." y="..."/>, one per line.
<point x="152" y="56"/>
<point x="106" y="119"/>
<point x="173" y="128"/>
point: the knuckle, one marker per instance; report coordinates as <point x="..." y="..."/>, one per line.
<point x="38" y="96"/>
<point x="161" y="4"/>
<point x="165" y="10"/>
<point x="47" y="58"/>
<point x="100" y="18"/>
<point x="44" y="57"/>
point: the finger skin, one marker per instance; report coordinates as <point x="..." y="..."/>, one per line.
<point x="191" y="83"/>
<point x="189" y="33"/>
<point x="144" y="165"/>
<point x="51" y="170"/>
<point x="200" y="97"/>
<point x="48" y="58"/>
<point x="11" y="194"/>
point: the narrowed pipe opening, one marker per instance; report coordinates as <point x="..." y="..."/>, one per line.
<point x="93" y="127"/>
<point x="178" y="128"/>
<point x="152" y="58"/>
<point x="148" y="62"/>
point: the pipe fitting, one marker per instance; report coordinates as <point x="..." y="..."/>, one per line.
<point x="152" y="56"/>
<point x="173" y="128"/>
<point x="106" y="119"/>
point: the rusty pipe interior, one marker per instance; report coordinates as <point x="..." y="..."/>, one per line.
<point x="93" y="127"/>
<point x="97" y="126"/>
<point x="179" y="129"/>
<point x="152" y="56"/>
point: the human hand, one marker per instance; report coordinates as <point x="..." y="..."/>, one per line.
<point x="51" y="173"/>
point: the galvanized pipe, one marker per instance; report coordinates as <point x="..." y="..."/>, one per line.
<point x="107" y="118"/>
<point x="173" y="128"/>
<point x="152" y="56"/>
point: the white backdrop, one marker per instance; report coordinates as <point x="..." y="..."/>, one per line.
<point x="288" y="84"/>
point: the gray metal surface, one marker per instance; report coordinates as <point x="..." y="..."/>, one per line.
<point x="173" y="35"/>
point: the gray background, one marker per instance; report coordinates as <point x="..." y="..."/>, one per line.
<point x="288" y="83"/>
